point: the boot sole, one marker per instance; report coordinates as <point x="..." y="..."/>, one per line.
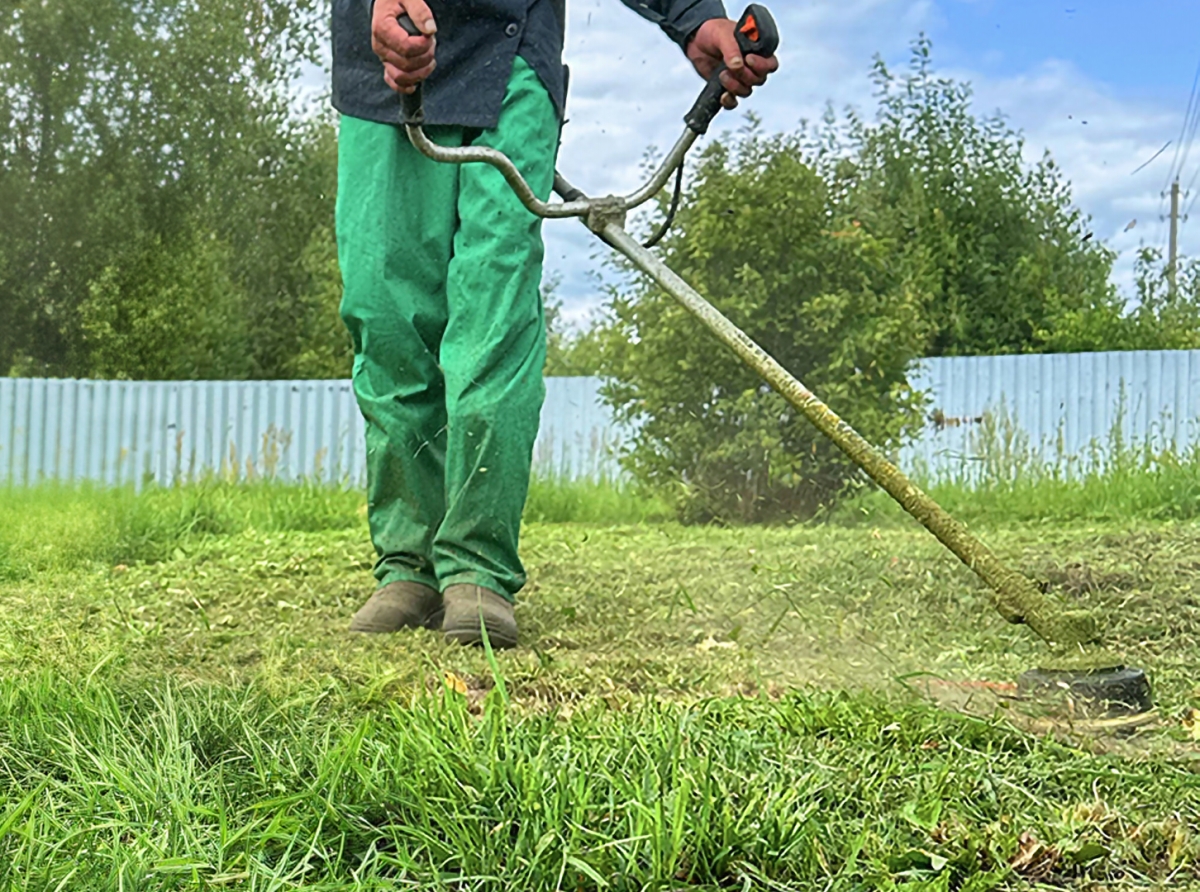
<point x="470" y="635"/>
<point x="432" y="622"/>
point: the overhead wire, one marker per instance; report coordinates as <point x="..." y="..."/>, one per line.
<point x="1191" y="185"/>
<point x="1151" y="159"/>
<point x="1188" y="116"/>
<point x="1183" y="148"/>
<point x="1191" y="136"/>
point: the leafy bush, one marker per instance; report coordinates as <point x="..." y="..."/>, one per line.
<point x="764" y="239"/>
<point x="1009" y="255"/>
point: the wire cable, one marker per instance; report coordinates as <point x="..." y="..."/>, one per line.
<point x="1151" y="159"/>
<point x="666" y="224"/>
<point x="1183" y="144"/>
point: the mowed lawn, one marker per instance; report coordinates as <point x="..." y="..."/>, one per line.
<point x="181" y="707"/>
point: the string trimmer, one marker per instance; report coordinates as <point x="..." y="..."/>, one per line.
<point x="1077" y="667"/>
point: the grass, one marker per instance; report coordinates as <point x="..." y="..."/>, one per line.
<point x="181" y="707"/>
<point x="55" y="527"/>
<point x="204" y="788"/>
<point x="1008" y="478"/>
<point x="584" y="501"/>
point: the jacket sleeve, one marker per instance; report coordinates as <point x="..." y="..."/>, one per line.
<point x="678" y="18"/>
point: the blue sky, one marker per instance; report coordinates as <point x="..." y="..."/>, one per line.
<point x="1126" y="68"/>
<point x="1143" y="49"/>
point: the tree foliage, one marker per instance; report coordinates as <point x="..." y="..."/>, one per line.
<point x="1010" y="254"/>
<point x="159" y="187"/>
<point x="568" y="353"/>
<point x="1158" y="317"/>
<point x="764" y="239"/>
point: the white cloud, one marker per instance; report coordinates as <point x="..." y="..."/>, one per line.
<point x="1099" y="140"/>
<point x="630" y="88"/>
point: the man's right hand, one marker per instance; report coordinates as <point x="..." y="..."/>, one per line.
<point x="406" y="60"/>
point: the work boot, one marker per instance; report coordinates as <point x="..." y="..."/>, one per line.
<point x="399" y="605"/>
<point x="467" y="605"/>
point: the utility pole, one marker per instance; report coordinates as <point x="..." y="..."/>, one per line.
<point x="1173" y="255"/>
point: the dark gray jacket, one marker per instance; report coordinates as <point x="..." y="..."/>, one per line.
<point x="477" y="42"/>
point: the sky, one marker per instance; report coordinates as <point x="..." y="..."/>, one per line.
<point x="1100" y="84"/>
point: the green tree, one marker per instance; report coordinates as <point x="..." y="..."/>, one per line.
<point x="166" y="311"/>
<point x="1009" y="251"/>
<point x="322" y="347"/>
<point x="144" y="142"/>
<point x="763" y="237"/>
<point x="1157" y="318"/>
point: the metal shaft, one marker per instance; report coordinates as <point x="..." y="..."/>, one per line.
<point x="1017" y="598"/>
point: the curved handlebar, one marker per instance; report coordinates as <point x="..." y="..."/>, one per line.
<point x="756" y="34"/>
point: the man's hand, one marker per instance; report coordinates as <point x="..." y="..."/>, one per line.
<point x="715" y="42"/>
<point x="406" y="60"/>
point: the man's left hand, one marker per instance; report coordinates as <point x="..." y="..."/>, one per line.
<point x="715" y="42"/>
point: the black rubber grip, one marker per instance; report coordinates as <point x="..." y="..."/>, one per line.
<point x="707" y="105"/>
<point x="758" y="35"/>
<point x="412" y="105"/>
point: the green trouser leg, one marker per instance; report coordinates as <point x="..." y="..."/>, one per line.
<point x="441" y="267"/>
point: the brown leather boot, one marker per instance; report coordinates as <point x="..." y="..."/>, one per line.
<point x="399" y="605"/>
<point x="467" y="606"/>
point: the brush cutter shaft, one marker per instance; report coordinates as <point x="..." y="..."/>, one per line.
<point x="1015" y="597"/>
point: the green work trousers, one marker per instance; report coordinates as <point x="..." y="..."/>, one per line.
<point x="441" y="267"/>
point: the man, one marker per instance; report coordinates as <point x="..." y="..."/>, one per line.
<point x="441" y="266"/>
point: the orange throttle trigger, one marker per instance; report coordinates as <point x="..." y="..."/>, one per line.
<point x="757" y="33"/>
<point x="750" y="29"/>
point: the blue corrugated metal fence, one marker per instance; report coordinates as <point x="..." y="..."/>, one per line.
<point x="121" y="432"/>
<point x="133" y="432"/>
<point x="1054" y="408"/>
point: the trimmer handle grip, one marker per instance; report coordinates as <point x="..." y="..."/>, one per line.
<point x="758" y="35"/>
<point x="412" y="105"/>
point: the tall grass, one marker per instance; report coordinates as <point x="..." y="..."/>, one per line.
<point x="210" y="788"/>
<point x="54" y="526"/>
<point x="1008" y="479"/>
<point x="606" y="501"/>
